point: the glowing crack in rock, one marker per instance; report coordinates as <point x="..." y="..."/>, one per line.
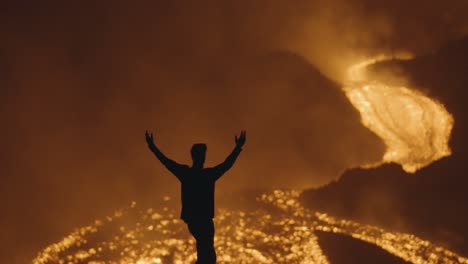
<point x="415" y="128"/>
<point x="280" y="231"/>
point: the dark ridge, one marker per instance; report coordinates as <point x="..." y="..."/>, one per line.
<point x="343" y="249"/>
<point x="430" y="204"/>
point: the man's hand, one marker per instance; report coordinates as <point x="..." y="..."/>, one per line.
<point x="149" y="140"/>
<point x="240" y="141"/>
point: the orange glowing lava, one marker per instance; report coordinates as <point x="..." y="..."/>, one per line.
<point x="285" y="234"/>
<point x="415" y="128"/>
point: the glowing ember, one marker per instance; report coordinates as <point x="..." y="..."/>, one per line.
<point x="282" y="234"/>
<point x="415" y="128"/>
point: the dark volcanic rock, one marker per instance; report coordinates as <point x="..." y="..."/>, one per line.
<point x="429" y="203"/>
<point x="342" y="249"/>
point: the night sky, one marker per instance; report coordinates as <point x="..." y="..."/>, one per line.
<point x="81" y="81"/>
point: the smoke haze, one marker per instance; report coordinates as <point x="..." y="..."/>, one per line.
<point x="82" y="81"/>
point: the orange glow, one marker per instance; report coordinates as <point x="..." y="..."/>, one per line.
<point x="261" y="236"/>
<point x="415" y="128"/>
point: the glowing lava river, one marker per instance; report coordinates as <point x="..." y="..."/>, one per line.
<point x="280" y="231"/>
<point x="415" y="129"/>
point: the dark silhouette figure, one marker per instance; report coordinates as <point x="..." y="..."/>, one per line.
<point x="198" y="187"/>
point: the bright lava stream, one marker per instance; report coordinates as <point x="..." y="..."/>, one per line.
<point x="284" y="233"/>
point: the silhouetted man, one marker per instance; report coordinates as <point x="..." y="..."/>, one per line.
<point x="198" y="187"/>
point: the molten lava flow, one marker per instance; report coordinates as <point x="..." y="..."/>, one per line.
<point x="280" y="231"/>
<point x="415" y="128"/>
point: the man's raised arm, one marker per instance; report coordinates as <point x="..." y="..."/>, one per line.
<point x="171" y="165"/>
<point x="220" y="169"/>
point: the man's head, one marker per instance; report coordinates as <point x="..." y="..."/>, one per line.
<point x="198" y="154"/>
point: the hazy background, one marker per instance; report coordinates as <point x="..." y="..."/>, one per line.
<point x="82" y="81"/>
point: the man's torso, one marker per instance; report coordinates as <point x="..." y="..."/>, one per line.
<point x="197" y="193"/>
